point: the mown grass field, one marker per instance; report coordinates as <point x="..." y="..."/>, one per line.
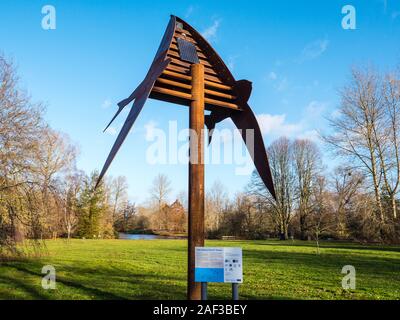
<point x="156" y="269"/>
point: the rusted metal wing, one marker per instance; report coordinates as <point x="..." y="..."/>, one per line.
<point x="169" y="79"/>
<point x="140" y="94"/>
<point x="247" y="121"/>
<point x="133" y="114"/>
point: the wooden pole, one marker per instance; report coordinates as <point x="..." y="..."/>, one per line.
<point x="196" y="177"/>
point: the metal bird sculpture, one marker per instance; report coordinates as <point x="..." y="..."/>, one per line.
<point x="169" y="80"/>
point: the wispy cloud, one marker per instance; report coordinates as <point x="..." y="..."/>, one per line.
<point x="395" y="14"/>
<point x="385" y="5"/>
<point x="211" y="32"/>
<point x="272" y="76"/>
<point x="189" y="11"/>
<point x="275" y="126"/>
<point x="232" y="62"/>
<point x="280" y="83"/>
<point x="315" y="109"/>
<point x="111" y="131"/>
<point x="335" y="114"/>
<point x="314" y="49"/>
<point x="312" y="135"/>
<point x="106" y="104"/>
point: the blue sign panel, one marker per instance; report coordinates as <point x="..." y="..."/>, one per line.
<point x="209" y="274"/>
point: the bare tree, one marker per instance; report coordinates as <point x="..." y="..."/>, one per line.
<point x="119" y="187"/>
<point x="387" y="138"/>
<point x="321" y="217"/>
<point x="216" y="201"/>
<point x="307" y="168"/>
<point x="347" y="184"/>
<point x="54" y="158"/>
<point x="72" y="187"/>
<point x="367" y="130"/>
<point x="159" y="192"/>
<point x="281" y="162"/>
<point x="20" y="126"/>
<point x="356" y="125"/>
<point x="160" y="189"/>
<point x="182" y="197"/>
<point x="248" y="214"/>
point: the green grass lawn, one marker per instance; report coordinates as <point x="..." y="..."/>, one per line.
<point x="156" y="269"/>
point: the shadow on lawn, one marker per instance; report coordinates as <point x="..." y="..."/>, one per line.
<point x="326" y="261"/>
<point x="148" y="286"/>
<point x="325" y="245"/>
<point x="30" y="290"/>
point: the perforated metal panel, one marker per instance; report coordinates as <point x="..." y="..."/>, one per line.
<point x="187" y="51"/>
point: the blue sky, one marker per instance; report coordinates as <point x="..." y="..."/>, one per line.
<point x="295" y="52"/>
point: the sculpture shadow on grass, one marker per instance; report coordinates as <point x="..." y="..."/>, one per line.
<point x="95" y="283"/>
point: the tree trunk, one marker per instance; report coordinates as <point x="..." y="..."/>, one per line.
<point x="378" y="196"/>
<point x="394" y="206"/>
<point x="283" y="232"/>
<point x="68" y="232"/>
<point x="317" y="239"/>
<point x="302" y="227"/>
<point x="340" y="223"/>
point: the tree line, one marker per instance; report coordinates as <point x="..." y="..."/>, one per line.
<point x="43" y="194"/>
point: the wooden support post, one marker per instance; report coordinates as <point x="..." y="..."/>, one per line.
<point x="196" y="177"/>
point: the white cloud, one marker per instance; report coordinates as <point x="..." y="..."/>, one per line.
<point x="315" y="109"/>
<point x="111" y="131"/>
<point x="314" y="49"/>
<point x="106" y="104"/>
<point x="272" y="75"/>
<point x="285" y="101"/>
<point x="189" y="11"/>
<point x="335" y="114"/>
<point x="211" y="32"/>
<point x="282" y="84"/>
<point x="232" y="62"/>
<point x="276" y="125"/>
<point x="312" y="135"/>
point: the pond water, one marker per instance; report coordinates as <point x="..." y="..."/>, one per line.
<point x="127" y="236"/>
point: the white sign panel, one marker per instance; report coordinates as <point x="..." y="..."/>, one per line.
<point x="218" y="264"/>
<point x="233" y="271"/>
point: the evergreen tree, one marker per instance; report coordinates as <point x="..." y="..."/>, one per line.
<point x="92" y="209"/>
